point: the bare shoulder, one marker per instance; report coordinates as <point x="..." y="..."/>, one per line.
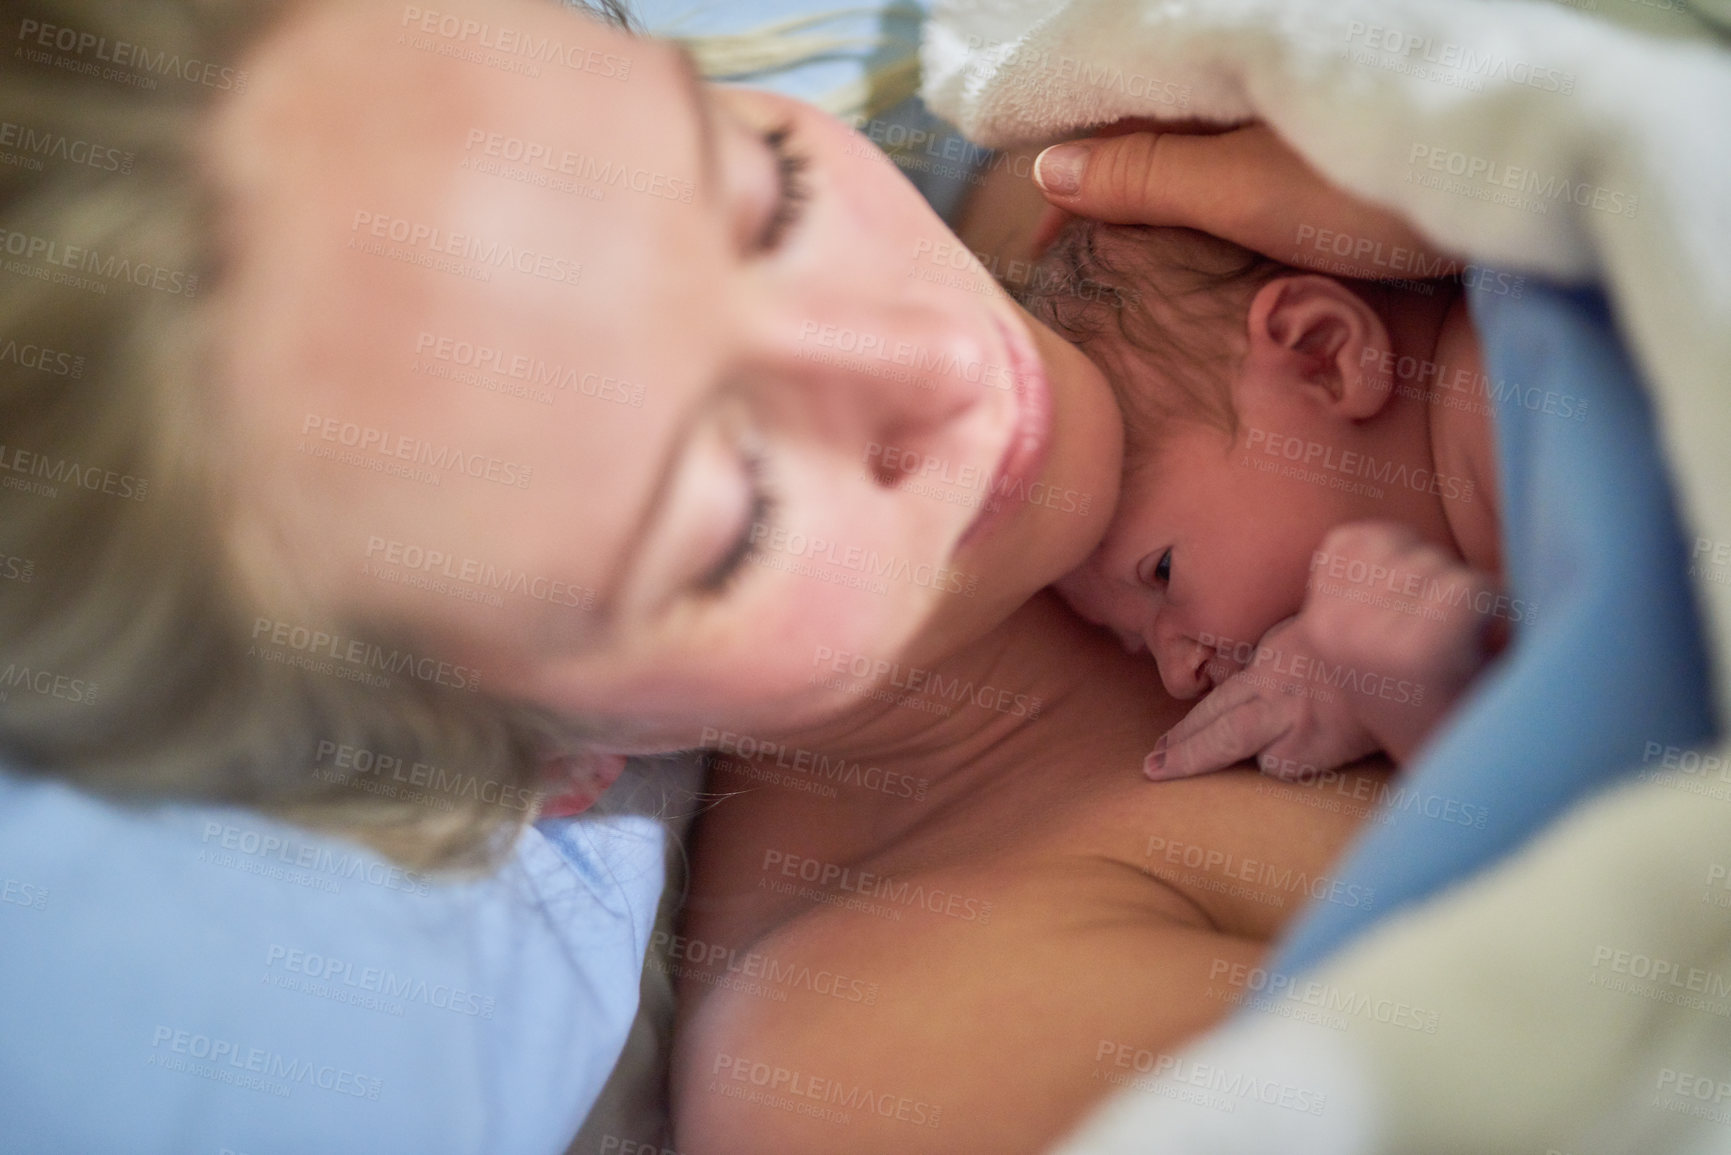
<point x="954" y="1010"/>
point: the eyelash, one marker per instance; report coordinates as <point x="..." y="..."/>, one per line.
<point x="748" y="546"/>
<point x="790" y="171"/>
<point x="1154" y="576"/>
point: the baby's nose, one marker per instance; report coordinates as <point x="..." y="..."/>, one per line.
<point x="1184" y="666"/>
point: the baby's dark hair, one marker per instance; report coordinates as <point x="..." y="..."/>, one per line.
<point x="1174" y="298"/>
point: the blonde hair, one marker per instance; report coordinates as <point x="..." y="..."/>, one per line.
<point x="130" y="660"/>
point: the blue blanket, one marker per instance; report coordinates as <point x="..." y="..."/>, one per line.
<point x="1612" y="667"/>
<point x="194" y="978"/>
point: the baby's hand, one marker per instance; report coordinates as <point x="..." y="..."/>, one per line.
<point x="1413" y="624"/>
<point x="1274" y="710"/>
<point x="1392" y="631"/>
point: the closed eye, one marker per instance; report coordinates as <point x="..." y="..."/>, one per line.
<point x="747" y="544"/>
<point x="793" y="191"/>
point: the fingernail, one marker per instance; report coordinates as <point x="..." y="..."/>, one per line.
<point x="1059" y="169"/>
<point x="1154" y="765"/>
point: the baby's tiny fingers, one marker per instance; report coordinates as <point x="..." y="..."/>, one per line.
<point x="1227" y="696"/>
<point x="1239" y="733"/>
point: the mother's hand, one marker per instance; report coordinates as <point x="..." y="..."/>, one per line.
<point x="1245" y="185"/>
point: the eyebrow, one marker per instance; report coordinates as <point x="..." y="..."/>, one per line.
<point x="691" y="82"/>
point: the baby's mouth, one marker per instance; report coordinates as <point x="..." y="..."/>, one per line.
<point x="1216" y="670"/>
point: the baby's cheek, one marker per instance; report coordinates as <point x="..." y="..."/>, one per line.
<point x="1092" y="594"/>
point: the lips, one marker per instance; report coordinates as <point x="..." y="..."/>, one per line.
<point x="1031" y="434"/>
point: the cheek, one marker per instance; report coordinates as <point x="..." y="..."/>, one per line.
<point x="1084" y="590"/>
<point x="1255" y="581"/>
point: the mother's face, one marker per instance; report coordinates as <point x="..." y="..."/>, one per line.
<point x="617" y="386"/>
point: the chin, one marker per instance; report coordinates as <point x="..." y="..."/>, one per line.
<point x="1087" y="451"/>
<point x="1037" y="545"/>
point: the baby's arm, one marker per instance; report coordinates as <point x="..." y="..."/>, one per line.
<point x="1406" y="625"/>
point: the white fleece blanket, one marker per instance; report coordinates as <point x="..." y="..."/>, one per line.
<point x="1520" y="135"/>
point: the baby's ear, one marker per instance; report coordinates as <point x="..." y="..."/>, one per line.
<point x="1315" y="334"/>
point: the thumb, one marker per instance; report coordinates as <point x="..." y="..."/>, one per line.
<point x="1121" y="179"/>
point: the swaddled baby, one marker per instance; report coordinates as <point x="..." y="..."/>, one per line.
<point x="1307" y="532"/>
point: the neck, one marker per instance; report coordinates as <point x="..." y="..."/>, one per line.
<point x="1461" y="440"/>
<point x="1441" y="394"/>
<point x="970" y="716"/>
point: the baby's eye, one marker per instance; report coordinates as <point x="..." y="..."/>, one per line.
<point x="1157" y="573"/>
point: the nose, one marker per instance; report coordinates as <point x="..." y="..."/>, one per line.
<point x="918" y="389"/>
<point x="1184" y="662"/>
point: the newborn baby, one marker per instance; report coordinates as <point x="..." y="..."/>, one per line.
<point x="1307" y="532"/>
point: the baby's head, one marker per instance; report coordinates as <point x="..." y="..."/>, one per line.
<point x="1245" y="405"/>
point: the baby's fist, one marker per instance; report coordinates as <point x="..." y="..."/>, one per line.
<point x="1384" y="602"/>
